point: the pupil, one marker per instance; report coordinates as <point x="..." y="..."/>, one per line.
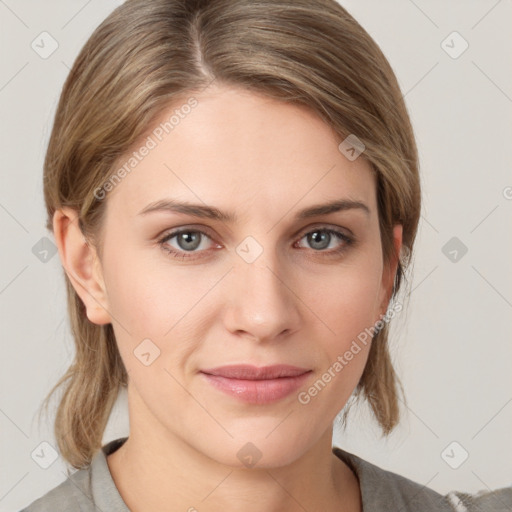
<point x="188" y="240"/>
<point x="320" y="237"/>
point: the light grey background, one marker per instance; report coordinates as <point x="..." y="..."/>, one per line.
<point x="452" y="346"/>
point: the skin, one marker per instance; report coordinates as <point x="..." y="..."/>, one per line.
<point x="263" y="160"/>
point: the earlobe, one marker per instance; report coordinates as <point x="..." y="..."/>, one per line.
<point x="82" y="265"/>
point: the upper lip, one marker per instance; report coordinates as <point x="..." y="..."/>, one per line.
<point x="250" y="372"/>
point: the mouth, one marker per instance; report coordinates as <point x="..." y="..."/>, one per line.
<point x="255" y="385"/>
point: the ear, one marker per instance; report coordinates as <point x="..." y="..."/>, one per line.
<point x="389" y="272"/>
<point x="82" y="265"/>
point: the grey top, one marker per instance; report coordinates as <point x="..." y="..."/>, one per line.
<point x="93" y="490"/>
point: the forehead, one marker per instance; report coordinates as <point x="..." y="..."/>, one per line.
<point x="243" y="151"/>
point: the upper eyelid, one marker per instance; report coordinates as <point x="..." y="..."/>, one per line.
<point x="168" y="235"/>
<point x="176" y="231"/>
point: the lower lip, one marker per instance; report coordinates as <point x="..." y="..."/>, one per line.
<point x="257" y="391"/>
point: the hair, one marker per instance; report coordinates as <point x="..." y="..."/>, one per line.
<point x="146" y="56"/>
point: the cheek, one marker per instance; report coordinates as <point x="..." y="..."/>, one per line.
<point x="150" y="297"/>
<point x="160" y="303"/>
<point x="346" y="308"/>
<point x="346" y="300"/>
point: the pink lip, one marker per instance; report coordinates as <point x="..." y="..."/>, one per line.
<point x="257" y="385"/>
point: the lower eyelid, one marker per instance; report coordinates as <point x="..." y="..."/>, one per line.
<point x="342" y="237"/>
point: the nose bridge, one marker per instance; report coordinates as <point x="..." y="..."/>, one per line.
<point x="262" y="303"/>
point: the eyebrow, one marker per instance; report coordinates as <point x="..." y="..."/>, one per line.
<point x="210" y="212"/>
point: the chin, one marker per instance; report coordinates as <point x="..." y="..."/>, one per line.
<point x="259" y="450"/>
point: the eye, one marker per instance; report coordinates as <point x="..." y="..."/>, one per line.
<point x="189" y="241"/>
<point x="321" y="238"/>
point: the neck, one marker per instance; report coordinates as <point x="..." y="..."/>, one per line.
<point x="157" y="470"/>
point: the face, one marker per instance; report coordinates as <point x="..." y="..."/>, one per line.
<point x="262" y="285"/>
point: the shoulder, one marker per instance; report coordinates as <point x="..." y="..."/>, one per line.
<point x="74" y="493"/>
<point x="498" y="500"/>
<point x="383" y="490"/>
<point x="86" y="490"/>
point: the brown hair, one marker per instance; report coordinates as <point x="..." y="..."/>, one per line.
<point x="143" y="58"/>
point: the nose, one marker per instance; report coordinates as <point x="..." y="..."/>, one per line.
<point x="262" y="304"/>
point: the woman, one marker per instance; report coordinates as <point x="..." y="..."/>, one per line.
<point x="233" y="188"/>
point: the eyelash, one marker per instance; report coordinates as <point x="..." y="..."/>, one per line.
<point x="183" y="255"/>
